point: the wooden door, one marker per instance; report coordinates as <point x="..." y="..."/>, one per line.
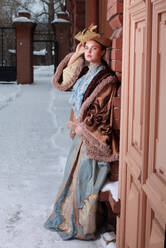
<point x="143" y="126"/>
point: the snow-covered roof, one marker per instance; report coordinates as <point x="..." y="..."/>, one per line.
<point x="22" y="19"/>
<point x="60" y="20"/>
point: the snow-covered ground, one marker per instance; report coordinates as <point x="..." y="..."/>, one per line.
<point x="34" y="143"/>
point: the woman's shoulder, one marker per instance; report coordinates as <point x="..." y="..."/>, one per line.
<point x="66" y="76"/>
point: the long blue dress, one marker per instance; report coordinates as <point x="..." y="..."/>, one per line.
<point x="77" y="210"/>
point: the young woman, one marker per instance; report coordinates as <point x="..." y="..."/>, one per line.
<point x="95" y="145"/>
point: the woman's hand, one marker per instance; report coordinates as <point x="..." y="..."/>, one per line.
<point x="79" y="51"/>
<point x="78" y="130"/>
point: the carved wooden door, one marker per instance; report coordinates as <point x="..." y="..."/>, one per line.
<point x="143" y="126"/>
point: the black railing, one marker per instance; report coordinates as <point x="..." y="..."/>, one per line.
<point x="7" y="60"/>
<point x="2" y="37"/>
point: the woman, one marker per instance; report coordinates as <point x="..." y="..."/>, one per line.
<point x="77" y="210"/>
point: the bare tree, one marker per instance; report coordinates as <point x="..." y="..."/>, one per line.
<point x="7" y="9"/>
<point x="46" y="11"/>
<point x="50" y="8"/>
<point x="40" y="10"/>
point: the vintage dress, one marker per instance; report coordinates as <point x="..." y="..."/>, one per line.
<point x="76" y="208"/>
<point x="80" y="87"/>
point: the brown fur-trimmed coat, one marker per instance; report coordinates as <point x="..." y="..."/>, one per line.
<point x="96" y="113"/>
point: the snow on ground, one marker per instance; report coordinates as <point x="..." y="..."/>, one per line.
<point x="34" y="143"/>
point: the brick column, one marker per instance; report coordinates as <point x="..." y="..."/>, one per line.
<point x="115" y="19"/>
<point x="61" y="29"/>
<point x="24" y="33"/>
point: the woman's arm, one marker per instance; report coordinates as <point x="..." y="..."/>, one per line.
<point x="66" y="76"/>
<point x="95" y="121"/>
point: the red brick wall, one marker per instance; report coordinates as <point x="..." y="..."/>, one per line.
<point x="104" y="27"/>
<point x="76" y="9"/>
<point x="115" y="20"/>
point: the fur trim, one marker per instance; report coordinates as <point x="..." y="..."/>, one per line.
<point x="95" y="82"/>
<point x="90" y="99"/>
<point x="92" y="140"/>
<point x="93" y="154"/>
<point x="59" y="71"/>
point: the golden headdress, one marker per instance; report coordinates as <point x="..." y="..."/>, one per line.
<point x="90" y="34"/>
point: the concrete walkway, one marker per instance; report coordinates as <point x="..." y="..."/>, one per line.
<point x="34" y="144"/>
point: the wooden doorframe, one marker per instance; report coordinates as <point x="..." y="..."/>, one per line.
<point x="142" y="167"/>
<point x="125" y="118"/>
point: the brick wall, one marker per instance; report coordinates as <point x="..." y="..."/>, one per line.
<point x="115" y="20"/>
<point x="76" y="9"/>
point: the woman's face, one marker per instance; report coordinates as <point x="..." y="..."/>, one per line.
<point x="93" y="52"/>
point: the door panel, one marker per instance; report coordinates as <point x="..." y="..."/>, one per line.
<point x="156" y="237"/>
<point x="155" y="186"/>
<point x="136" y="84"/>
<point x="132" y="212"/>
<point x="160" y="163"/>
<point x="136" y="89"/>
<point x="133" y="135"/>
<point x="143" y="122"/>
<point x="156" y="229"/>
